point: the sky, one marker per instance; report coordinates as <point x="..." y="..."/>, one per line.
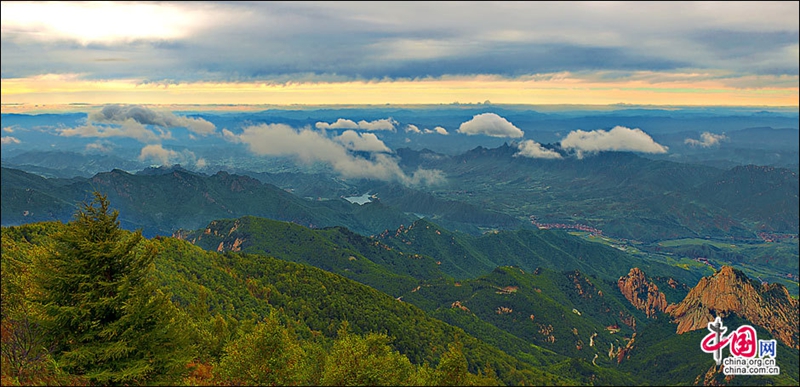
<point x="318" y="53"/>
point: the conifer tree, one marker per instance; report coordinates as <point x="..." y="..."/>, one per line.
<point x="111" y="321"/>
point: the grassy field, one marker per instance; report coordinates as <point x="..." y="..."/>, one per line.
<point x="696" y="241"/>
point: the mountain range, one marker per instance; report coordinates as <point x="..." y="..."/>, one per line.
<point x="533" y="325"/>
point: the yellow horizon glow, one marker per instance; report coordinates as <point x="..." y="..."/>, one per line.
<point x="554" y="89"/>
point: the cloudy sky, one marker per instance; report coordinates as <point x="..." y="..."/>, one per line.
<point x="705" y="53"/>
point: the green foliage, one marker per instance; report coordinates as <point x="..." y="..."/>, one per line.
<point x="623" y="194"/>
<point x="452" y="370"/>
<point x="658" y="353"/>
<point x="466" y="256"/>
<point x="535" y="313"/>
<point x="365" y="361"/>
<point x="249" y="285"/>
<point x="252" y="319"/>
<point x="25" y="345"/>
<point x="161" y="203"/>
<point x="770" y="262"/>
<point x="336" y="249"/>
<point x="588" y="374"/>
<point x="109" y="318"/>
<point x="273" y="354"/>
<point x="268" y="355"/>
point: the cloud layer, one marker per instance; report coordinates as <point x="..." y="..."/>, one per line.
<point x="490" y="124"/>
<point x="437" y="130"/>
<point x="707" y="139"/>
<point x="311" y="146"/>
<point x="167" y="157"/>
<point x="415" y="129"/>
<point x="215" y="41"/>
<point x="130" y="120"/>
<point x="619" y="138"/>
<point x="119" y="114"/>
<point x="342" y="123"/>
<point x="533" y="149"/>
<point x="128" y="128"/>
<point x="366" y="142"/>
<point x="9" y="140"/>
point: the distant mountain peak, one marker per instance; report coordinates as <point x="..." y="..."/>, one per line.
<point x="163" y="170"/>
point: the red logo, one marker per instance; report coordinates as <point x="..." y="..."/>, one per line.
<point x="741" y="342"/>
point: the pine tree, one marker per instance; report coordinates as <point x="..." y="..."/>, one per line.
<point x="111" y="321"/>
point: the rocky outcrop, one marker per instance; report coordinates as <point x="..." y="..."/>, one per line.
<point x="642" y="294"/>
<point x="730" y="291"/>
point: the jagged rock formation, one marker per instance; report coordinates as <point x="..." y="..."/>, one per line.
<point x="731" y="291"/>
<point x="642" y="294"/>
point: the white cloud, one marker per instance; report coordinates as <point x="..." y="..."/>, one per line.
<point x="158" y="153"/>
<point x="313" y="146"/>
<point x="619" y="138"/>
<point x="382" y="124"/>
<point x="228" y="135"/>
<point x="130" y="120"/>
<point x="128" y="128"/>
<point x="707" y="139"/>
<point x="413" y="129"/>
<point x="440" y="130"/>
<point x="99" y="147"/>
<point x="169" y="157"/>
<point x="533" y="149"/>
<point x="101" y="22"/>
<point x="367" y="142"/>
<point x="9" y="140"/>
<point x="8" y="129"/>
<point x="343" y="123"/>
<point x="118" y="114"/>
<point x="490" y="124"/>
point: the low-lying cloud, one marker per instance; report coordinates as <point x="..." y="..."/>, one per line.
<point x="415" y="129"/>
<point x="99" y="147"/>
<point x="127" y="128"/>
<point x="366" y="142"/>
<point x="707" y="139"/>
<point x="130" y="120"/>
<point x="490" y="124"/>
<point x="310" y="146"/>
<point x="343" y="123"/>
<point x="437" y="130"/>
<point x="167" y="157"/>
<point x="619" y="138"/>
<point x="118" y="114"/>
<point x="9" y="140"/>
<point x="533" y="149"/>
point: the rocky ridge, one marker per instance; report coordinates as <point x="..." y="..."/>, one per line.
<point x="642" y="294"/>
<point x="730" y="291"/>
